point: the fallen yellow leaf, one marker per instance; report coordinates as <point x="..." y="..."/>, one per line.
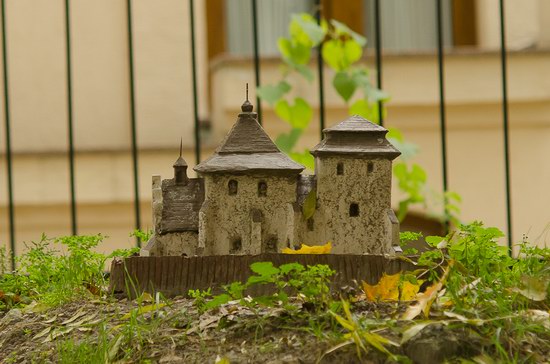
<point x="426" y="298"/>
<point x="306" y="249"/>
<point x="391" y="288"/>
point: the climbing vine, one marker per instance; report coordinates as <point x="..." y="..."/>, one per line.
<point x="342" y="49"/>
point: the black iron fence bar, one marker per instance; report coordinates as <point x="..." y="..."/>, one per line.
<point x="256" y="56"/>
<point x="70" y="118"/>
<point x="320" y="75"/>
<point x="442" y="113"/>
<point x="194" y="76"/>
<point x="137" y="208"/>
<point x="11" y="214"/>
<point x="378" y="55"/>
<point x="505" y="125"/>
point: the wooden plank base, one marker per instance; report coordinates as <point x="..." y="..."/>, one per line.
<point x="173" y="276"/>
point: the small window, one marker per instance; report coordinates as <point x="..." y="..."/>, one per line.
<point x="232" y="186"/>
<point x="257" y="216"/>
<point x="262" y="189"/>
<point x="270" y="244"/>
<point x="340" y="168"/>
<point x="354" y="210"/>
<point x="370" y="167"/>
<point x="310" y="224"/>
<point x="236" y="246"/>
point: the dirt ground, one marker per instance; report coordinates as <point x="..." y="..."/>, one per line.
<point x="177" y="333"/>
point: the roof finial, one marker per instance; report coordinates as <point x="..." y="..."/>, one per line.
<point x="181" y="146"/>
<point x="247" y="106"/>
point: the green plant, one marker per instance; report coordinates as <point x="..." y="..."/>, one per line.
<point x="342" y="49"/>
<point x="311" y="283"/>
<point x="52" y="277"/>
<point x="142" y="235"/>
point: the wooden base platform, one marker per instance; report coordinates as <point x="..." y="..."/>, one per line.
<point x="174" y="276"/>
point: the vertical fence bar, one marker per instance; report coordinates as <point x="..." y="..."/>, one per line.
<point x="256" y="56"/>
<point x="194" y="77"/>
<point x="137" y="208"/>
<point x="378" y="53"/>
<point x="320" y="73"/>
<point x="505" y="124"/>
<point x="11" y="213"/>
<point x="70" y="117"/>
<point x="442" y="114"/>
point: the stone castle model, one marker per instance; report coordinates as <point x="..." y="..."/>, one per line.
<point x="249" y="195"/>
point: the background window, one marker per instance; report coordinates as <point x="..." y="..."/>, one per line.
<point x="340" y="168"/>
<point x="262" y="189"/>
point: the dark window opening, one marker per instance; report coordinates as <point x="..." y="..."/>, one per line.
<point x="257" y="216"/>
<point x="340" y="168"/>
<point x="262" y="189"/>
<point x="270" y="244"/>
<point x="370" y="167"/>
<point x="232" y="186"/>
<point x="354" y="210"/>
<point x="310" y="224"/>
<point x="236" y="246"/>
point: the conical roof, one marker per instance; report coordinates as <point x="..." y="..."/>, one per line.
<point x="247" y="148"/>
<point x="358" y="137"/>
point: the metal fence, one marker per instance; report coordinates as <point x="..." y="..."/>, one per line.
<point x="257" y="71"/>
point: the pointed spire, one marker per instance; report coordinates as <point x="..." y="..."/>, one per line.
<point x="180" y="168"/>
<point x="247" y="106"/>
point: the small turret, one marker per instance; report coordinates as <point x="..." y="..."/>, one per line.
<point x="180" y="169"/>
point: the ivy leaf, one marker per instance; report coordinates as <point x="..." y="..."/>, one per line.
<point x="298" y="115"/>
<point x="289" y="267"/>
<point x="310" y="204"/>
<point x="352" y="52"/>
<point x="272" y="93"/>
<point x="304" y="71"/>
<point x="344" y="85"/>
<point x="331" y="54"/>
<point x="287" y="141"/>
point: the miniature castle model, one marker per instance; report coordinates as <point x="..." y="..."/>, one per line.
<point x="249" y="195"/>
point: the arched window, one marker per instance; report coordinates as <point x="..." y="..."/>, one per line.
<point x="370" y="167"/>
<point x="354" y="210"/>
<point x="340" y="168"/>
<point x="262" y="189"/>
<point x="232" y="187"/>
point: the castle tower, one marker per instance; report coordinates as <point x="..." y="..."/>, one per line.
<point x="353" y="166"/>
<point x="250" y="189"/>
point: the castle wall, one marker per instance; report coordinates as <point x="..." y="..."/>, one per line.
<point x="363" y="189"/>
<point x="244" y="222"/>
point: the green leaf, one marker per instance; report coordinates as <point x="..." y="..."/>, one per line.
<point x="272" y="93"/>
<point x="298" y="115"/>
<point x="217" y="301"/>
<point x="331" y="55"/>
<point x="305" y="24"/>
<point x="287" y="141"/>
<point x="434" y="240"/>
<point x="305" y="158"/>
<point x="310" y="204"/>
<point x="296" y="53"/>
<point x="287" y="268"/>
<point x="352" y="53"/>
<point x="342" y="28"/>
<point x="264" y="268"/>
<point x="344" y="85"/>
<point x="304" y="71"/>
<point x="365" y="109"/>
